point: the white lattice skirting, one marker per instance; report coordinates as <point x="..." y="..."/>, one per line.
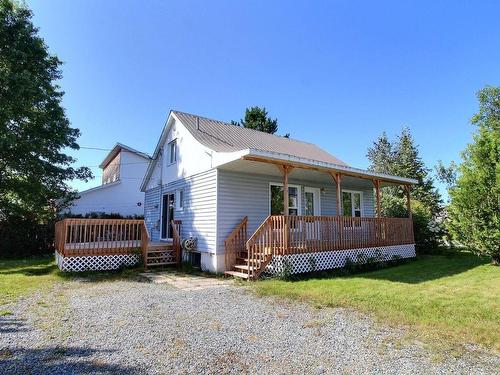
<point x="299" y="263"/>
<point x="96" y="262"/>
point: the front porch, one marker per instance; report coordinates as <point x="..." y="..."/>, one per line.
<point x="310" y="243"/>
<point x="318" y="217"/>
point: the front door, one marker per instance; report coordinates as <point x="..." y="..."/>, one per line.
<point x="312" y="208"/>
<point x="167" y="215"/>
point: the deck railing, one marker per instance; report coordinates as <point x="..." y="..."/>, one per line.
<point x="284" y="235"/>
<point x="75" y="237"/>
<point x="235" y="243"/>
<point x="176" y="239"/>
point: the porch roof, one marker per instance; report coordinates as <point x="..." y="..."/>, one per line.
<point x="223" y="160"/>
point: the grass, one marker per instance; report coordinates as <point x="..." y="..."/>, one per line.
<point x="20" y="277"/>
<point x="454" y="299"/>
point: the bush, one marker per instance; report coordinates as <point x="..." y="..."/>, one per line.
<point x="23" y="237"/>
<point x="428" y="230"/>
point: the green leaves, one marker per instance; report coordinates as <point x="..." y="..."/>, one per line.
<point x="475" y="197"/>
<point x="257" y="118"/>
<point x="33" y="126"/>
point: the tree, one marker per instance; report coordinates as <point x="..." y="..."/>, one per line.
<point x="257" y="118"/>
<point x="402" y="158"/>
<point x="474" y="210"/>
<point x="34" y="129"/>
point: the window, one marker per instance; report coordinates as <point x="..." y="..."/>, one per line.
<point x="180" y="199"/>
<point x="351" y="203"/>
<point x="111" y="172"/>
<point x="172" y="152"/>
<point x="277" y="200"/>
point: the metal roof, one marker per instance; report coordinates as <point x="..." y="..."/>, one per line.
<point x="223" y="137"/>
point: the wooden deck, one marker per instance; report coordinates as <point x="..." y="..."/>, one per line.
<point x="286" y="235"/>
<point x="101" y="237"/>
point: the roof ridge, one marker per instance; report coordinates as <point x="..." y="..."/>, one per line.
<point x="243" y="128"/>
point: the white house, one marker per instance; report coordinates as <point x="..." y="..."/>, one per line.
<point x="258" y="202"/>
<point x="122" y="171"/>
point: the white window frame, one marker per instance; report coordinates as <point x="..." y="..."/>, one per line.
<point x="172" y="144"/>
<point x="180" y="203"/>
<point x="362" y="213"/>
<point x="161" y="214"/>
<point x="310" y="189"/>
<point x="299" y="196"/>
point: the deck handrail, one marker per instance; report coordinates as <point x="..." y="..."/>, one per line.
<point x="79" y="236"/>
<point x="259" y="248"/>
<point x="285" y="235"/>
<point x="176" y="239"/>
<point x="145" y="239"/>
<point x="235" y="243"/>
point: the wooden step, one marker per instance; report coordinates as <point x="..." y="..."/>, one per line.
<point x="237" y="274"/>
<point x="160" y="245"/>
<point x="245" y="267"/>
<point x="160" y="264"/>
<point x="160" y="251"/>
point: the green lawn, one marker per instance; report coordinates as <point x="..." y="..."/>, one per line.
<point x="454" y="299"/>
<point x="22" y="276"/>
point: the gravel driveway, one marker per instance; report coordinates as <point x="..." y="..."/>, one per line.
<point x="130" y="327"/>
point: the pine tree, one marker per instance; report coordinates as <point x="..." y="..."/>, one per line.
<point x="408" y="163"/>
<point x="257" y="118"/>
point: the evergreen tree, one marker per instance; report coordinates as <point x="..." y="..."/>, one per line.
<point x="474" y="210"/>
<point x="33" y="126"/>
<point x="408" y="163"/>
<point x="257" y="118"/>
<point x="381" y="155"/>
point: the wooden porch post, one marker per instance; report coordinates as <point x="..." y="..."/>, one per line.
<point x="338" y="177"/>
<point x="408" y="201"/>
<point x="377" y="195"/>
<point x="286" y="200"/>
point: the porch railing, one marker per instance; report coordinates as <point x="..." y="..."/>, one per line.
<point x="74" y="237"/>
<point x="235" y="243"/>
<point x="176" y="239"/>
<point x="284" y="235"/>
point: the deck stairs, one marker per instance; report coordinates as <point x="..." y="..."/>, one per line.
<point x="243" y="265"/>
<point x="160" y="254"/>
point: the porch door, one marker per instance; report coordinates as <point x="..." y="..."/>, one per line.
<point x="312" y="208"/>
<point x="167" y="215"/>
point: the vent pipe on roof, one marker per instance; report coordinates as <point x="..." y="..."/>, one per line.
<point x="197" y="123"/>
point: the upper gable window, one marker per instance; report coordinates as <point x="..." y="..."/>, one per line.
<point x="172" y="152"/>
<point x="111" y="172"/>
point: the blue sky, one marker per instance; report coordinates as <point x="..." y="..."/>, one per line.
<point x="334" y="73"/>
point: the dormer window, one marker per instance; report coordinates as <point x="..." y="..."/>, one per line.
<point x="172" y="152"/>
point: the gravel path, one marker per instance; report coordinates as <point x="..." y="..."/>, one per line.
<point x="128" y="327"/>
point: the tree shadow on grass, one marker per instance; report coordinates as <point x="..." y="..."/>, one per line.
<point x="60" y="360"/>
<point x="413" y="271"/>
<point x="427" y="268"/>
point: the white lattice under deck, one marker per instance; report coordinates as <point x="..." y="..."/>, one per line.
<point x="96" y="262"/>
<point x="324" y="260"/>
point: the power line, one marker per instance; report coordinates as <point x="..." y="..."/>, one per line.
<point x="96" y="148"/>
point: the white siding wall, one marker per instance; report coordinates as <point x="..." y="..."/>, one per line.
<point x="241" y="195"/>
<point x="198" y="215"/>
<point x="118" y="197"/>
